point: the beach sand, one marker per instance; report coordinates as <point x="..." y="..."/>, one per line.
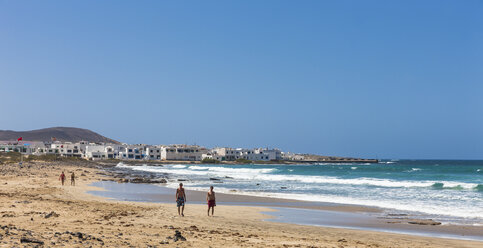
<point x="36" y="209"/>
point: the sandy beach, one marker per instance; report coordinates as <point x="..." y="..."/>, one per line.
<point x="36" y="210"/>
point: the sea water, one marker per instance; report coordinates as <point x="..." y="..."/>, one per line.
<point x="448" y="190"/>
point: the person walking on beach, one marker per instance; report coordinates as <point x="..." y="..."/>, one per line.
<point x="211" y="199"/>
<point x="180" y="199"/>
<point x="62" y="178"/>
<point x="72" y="179"/>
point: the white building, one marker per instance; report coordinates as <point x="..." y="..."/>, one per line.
<point x="153" y="153"/>
<point x="292" y="156"/>
<point x="132" y="152"/>
<point x="66" y="149"/>
<point x="183" y="152"/>
<point x="231" y="154"/>
<point x="273" y="154"/>
<point x="25" y="147"/>
<point x="107" y="151"/>
<point x="95" y="151"/>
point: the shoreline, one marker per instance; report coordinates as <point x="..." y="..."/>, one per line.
<point x="132" y="174"/>
<point x="296" y="212"/>
<point x="34" y="207"/>
<point x="284" y="162"/>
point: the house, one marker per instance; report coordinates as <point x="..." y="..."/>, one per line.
<point x="183" y="152"/>
<point x="153" y="153"/>
<point x="135" y="152"/>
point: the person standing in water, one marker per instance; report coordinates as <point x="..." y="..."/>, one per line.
<point x="62" y="178"/>
<point x="72" y="179"/>
<point x="180" y="199"/>
<point x="211" y="199"/>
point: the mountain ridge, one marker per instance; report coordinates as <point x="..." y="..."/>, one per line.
<point x="66" y="134"/>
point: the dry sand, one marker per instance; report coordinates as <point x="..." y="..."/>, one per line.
<point x="35" y="207"/>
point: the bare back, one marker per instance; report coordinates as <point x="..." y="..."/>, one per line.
<point x="180" y="193"/>
<point x="211" y="195"/>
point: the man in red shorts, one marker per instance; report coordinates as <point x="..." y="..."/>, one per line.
<point x="211" y="199"/>
<point x="62" y="178"/>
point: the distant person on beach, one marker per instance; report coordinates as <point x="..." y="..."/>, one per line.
<point x="62" y="178"/>
<point x="180" y="199"/>
<point x="211" y="199"/>
<point x="72" y="179"/>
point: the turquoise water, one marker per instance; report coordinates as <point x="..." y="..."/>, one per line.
<point x="451" y="191"/>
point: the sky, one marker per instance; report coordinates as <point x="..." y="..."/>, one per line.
<point x="374" y="79"/>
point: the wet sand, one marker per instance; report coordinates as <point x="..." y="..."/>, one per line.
<point x="35" y="210"/>
<point x="294" y="211"/>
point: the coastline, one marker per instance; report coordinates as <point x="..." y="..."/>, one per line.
<point x="287" y="162"/>
<point x="340" y="185"/>
<point x="296" y="211"/>
<point x="34" y="207"/>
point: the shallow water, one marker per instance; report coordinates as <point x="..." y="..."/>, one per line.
<point x="448" y="190"/>
<point x="287" y="212"/>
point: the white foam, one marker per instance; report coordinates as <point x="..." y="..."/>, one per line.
<point x="413" y="206"/>
<point x="178" y="166"/>
<point x="413" y="170"/>
<point x="264" y="175"/>
<point x="240" y="173"/>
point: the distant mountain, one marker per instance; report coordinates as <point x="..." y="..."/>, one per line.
<point x="69" y="134"/>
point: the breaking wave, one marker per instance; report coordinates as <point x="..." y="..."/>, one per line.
<point x="268" y="175"/>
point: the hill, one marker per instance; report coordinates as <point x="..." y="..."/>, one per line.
<point x="69" y="134"/>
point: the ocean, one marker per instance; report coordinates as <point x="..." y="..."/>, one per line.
<point x="450" y="191"/>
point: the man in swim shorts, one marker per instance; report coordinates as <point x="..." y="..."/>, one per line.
<point x="72" y="179"/>
<point x="211" y="199"/>
<point x="180" y="199"/>
<point x="62" y="178"/>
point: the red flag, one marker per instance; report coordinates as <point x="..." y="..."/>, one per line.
<point x="19" y="139"/>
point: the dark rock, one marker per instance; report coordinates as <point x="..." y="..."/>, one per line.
<point x="214" y="179"/>
<point x="79" y="235"/>
<point x="283" y="187"/>
<point x="194" y="228"/>
<point x="147" y="180"/>
<point x="51" y="214"/>
<point x="178" y="236"/>
<point x="31" y="240"/>
<point x="425" y="222"/>
<point x="397" y="215"/>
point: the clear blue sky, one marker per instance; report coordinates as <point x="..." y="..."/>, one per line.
<point x="386" y="79"/>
